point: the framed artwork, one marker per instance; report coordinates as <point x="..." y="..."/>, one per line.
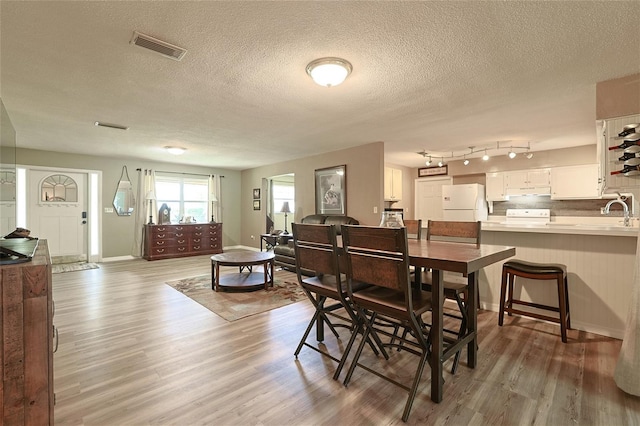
<point x="433" y="171"/>
<point x="256" y="204"/>
<point x="331" y="190"/>
<point x="256" y="193"/>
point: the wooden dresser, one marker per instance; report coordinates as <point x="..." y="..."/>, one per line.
<point x="193" y="239"/>
<point x="26" y="356"/>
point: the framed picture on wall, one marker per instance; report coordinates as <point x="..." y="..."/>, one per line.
<point x="331" y="190"/>
<point x="256" y="193"/>
<point x="256" y="204"/>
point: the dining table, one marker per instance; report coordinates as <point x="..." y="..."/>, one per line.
<point x="468" y="259"/>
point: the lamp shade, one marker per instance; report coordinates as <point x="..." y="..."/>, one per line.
<point x="151" y="195"/>
<point x="285" y="208"/>
<point x="329" y="71"/>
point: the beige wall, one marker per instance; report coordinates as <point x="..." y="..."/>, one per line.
<point x="365" y="166"/>
<point x="618" y="97"/>
<point x="117" y="231"/>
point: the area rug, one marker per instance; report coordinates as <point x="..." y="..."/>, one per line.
<point x="70" y="267"/>
<point x="235" y="305"/>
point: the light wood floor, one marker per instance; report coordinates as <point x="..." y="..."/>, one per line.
<point x="135" y="351"/>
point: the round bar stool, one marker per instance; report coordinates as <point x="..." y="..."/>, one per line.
<point x="536" y="271"/>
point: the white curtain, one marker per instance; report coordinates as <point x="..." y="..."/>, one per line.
<point x="627" y="373"/>
<point x="215" y="200"/>
<point x="146" y="186"/>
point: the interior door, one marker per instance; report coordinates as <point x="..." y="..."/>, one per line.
<point x="429" y="198"/>
<point x="57" y="203"/>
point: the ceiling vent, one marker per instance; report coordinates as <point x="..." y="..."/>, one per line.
<point x="158" y="46"/>
<point x="111" y="125"/>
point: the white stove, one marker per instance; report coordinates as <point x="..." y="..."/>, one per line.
<point x="528" y="216"/>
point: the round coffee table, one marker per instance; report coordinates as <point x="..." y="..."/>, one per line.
<point x="242" y="280"/>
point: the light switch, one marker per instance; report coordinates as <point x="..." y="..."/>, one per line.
<point x="375" y="209"/>
<point x="108" y="209"/>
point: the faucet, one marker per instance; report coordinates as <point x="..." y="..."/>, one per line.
<point x="624" y="207"/>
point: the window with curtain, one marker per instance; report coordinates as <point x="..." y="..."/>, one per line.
<point x="283" y="191"/>
<point x="186" y="195"/>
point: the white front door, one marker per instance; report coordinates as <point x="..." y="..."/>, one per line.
<point x="57" y="202"/>
<point x="429" y="198"/>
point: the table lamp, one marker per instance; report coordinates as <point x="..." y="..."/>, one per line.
<point x="285" y="209"/>
<point x="151" y="196"/>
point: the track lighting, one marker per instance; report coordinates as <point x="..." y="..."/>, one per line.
<point x="485" y="157"/>
<point x="428" y="162"/>
<point x="441" y="162"/>
<point x="512" y="154"/>
<point x="466" y="162"/>
<point x="529" y="155"/>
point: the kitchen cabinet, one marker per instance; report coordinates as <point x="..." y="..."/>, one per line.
<point x="524" y="182"/>
<point x="575" y="182"/>
<point x="392" y="184"/>
<point x="609" y="159"/>
<point x="495" y="186"/>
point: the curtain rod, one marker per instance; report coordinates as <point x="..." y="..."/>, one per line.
<point x="181" y="173"/>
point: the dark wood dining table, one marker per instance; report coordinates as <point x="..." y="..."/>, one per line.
<point x="467" y="259"/>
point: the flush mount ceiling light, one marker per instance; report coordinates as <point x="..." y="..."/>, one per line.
<point x="329" y="71"/>
<point x="175" y="150"/>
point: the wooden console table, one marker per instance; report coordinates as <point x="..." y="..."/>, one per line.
<point x="26" y="353"/>
<point x="190" y="239"/>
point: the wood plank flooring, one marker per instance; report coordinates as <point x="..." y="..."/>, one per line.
<point x="134" y="351"/>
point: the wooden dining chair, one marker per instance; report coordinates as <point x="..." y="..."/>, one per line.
<point x="378" y="258"/>
<point x="414" y="228"/>
<point x="317" y="252"/>
<point x="455" y="288"/>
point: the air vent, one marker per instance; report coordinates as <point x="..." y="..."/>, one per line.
<point x="111" y="125"/>
<point x="158" y="46"/>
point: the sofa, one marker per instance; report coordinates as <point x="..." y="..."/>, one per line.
<point x="285" y="254"/>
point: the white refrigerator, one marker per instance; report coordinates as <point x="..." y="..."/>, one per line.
<point x="464" y="202"/>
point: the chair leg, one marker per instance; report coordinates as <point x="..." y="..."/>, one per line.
<point x="512" y="280"/>
<point x="306" y="333"/>
<point x="566" y="300"/>
<point x="503" y="288"/>
<point x="461" y="332"/>
<point x="354" y="361"/>
<point x="562" y="307"/>
<point x="343" y="360"/>
<point x="414" y="387"/>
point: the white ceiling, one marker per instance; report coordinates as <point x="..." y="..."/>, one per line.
<point x="439" y="76"/>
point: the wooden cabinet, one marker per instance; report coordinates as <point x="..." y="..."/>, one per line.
<point x="575" y="182"/>
<point x="193" y="239"/>
<point x="523" y="182"/>
<point x="392" y="184"/>
<point x="495" y="186"/>
<point x="26" y="356"/>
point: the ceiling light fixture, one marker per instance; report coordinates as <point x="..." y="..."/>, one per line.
<point x="466" y="161"/>
<point x="529" y="155"/>
<point x="441" y="162"/>
<point x="485" y="157"/>
<point x="329" y="71"/>
<point x="428" y="162"/>
<point x="175" y="150"/>
<point x="512" y="154"/>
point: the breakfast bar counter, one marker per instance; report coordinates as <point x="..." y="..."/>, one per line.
<point x="600" y="262"/>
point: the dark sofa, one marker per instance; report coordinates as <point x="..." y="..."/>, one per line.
<point x="285" y="254"/>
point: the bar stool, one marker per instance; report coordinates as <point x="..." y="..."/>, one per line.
<point x="536" y="271"/>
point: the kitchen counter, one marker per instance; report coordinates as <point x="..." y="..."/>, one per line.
<point x="611" y="229"/>
<point x="600" y="264"/>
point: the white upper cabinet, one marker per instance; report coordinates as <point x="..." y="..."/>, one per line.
<point x="522" y="182"/>
<point x="495" y="186"/>
<point x="575" y="182"/>
<point x="392" y="184"/>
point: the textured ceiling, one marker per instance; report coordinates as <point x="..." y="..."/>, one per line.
<point x="439" y="76"/>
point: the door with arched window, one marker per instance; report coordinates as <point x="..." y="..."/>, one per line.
<point x="57" y="204"/>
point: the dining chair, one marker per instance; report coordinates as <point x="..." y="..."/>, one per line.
<point x="317" y="252"/>
<point x="378" y="258"/>
<point x="455" y="288"/>
<point x="414" y="228"/>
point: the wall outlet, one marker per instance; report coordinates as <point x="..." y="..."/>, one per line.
<point x="253" y="238"/>
<point x="375" y="209"/>
<point x="108" y="209"/>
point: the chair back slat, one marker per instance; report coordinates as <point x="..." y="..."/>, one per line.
<point x="414" y="228"/>
<point x="377" y="256"/>
<point x="464" y="232"/>
<point x="315" y="248"/>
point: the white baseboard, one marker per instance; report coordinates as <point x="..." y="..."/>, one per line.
<point x="117" y="258"/>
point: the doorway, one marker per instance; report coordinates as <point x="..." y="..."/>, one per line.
<point x="280" y="190"/>
<point x="429" y="198"/>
